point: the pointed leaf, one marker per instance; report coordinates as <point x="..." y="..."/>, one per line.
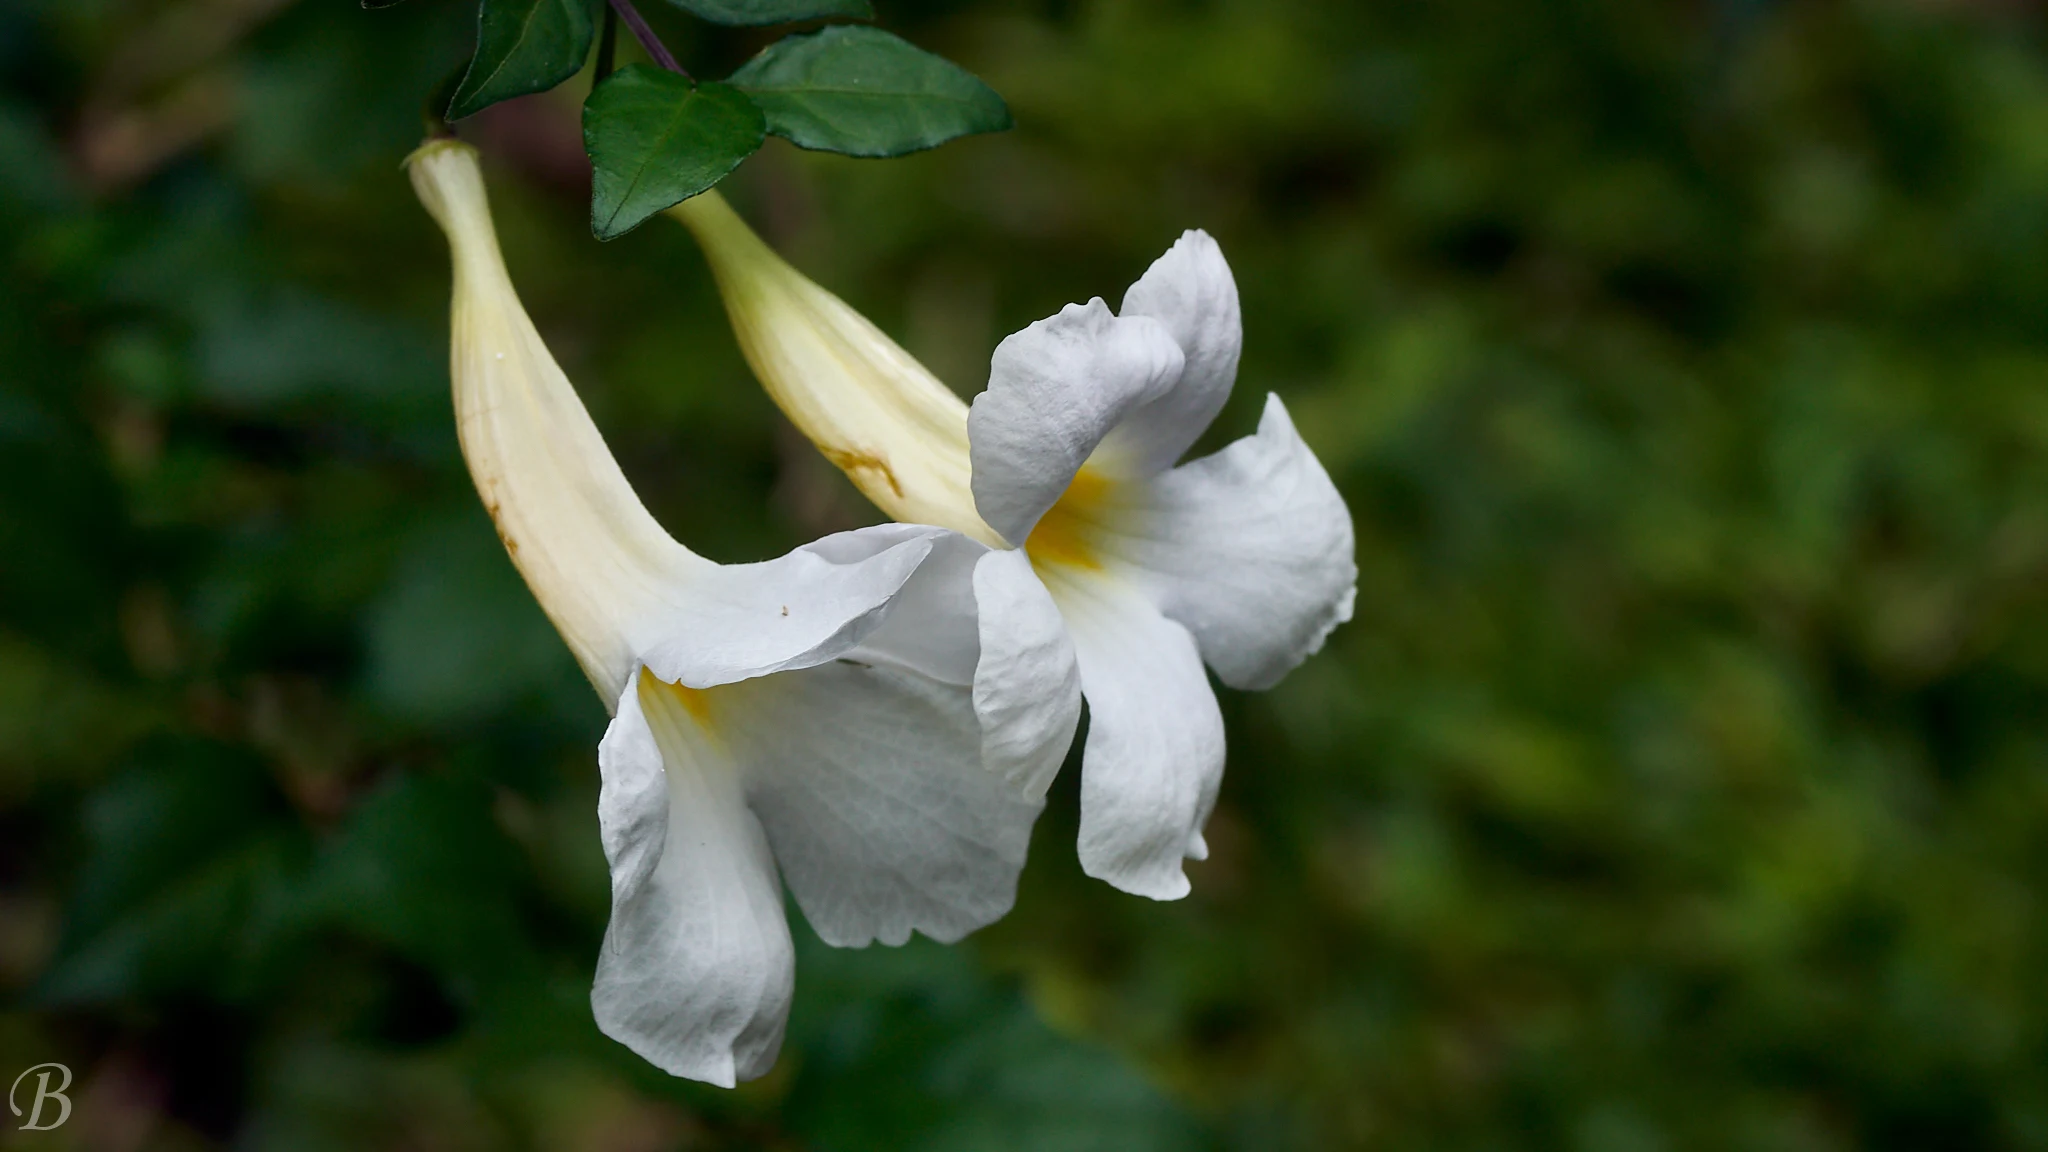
<point x="864" y="92"/>
<point x="773" y="11"/>
<point x="523" y="46"/>
<point x="655" y="139"/>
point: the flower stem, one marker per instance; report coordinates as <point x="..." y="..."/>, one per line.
<point x="637" y="25"/>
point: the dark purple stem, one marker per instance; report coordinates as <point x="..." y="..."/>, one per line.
<point x="637" y="25"/>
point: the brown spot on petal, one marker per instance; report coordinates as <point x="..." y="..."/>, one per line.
<point x="504" y="537"/>
<point x="852" y="460"/>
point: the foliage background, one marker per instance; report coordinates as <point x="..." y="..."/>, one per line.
<point x="1680" y="784"/>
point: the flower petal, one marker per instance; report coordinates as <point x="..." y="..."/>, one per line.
<point x="930" y="625"/>
<point x="868" y="782"/>
<point x="1250" y="549"/>
<point x="1154" y="754"/>
<point x="697" y="966"/>
<point x="1027" y="684"/>
<point x="1191" y="291"/>
<point x="734" y="621"/>
<point x="1054" y="391"/>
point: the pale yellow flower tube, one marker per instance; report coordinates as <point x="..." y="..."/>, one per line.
<point x="868" y="405"/>
<point x="596" y="560"/>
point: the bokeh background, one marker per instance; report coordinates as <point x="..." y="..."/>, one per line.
<point x="1682" y="782"/>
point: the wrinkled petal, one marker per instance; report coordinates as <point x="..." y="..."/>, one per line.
<point x="1154" y="754"/>
<point x="930" y="625"/>
<point x="697" y="966"/>
<point x="735" y="621"/>
<point x="1250" y="549"/>
<point x="1054" y="391"/>
<point x="897" y="432"/>
<point x="1190" y="290"/>
<point x="865" y="778"/>
<point x="1027" y="685"/>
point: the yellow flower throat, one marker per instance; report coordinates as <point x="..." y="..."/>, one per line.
<point x="1066" y="534"/>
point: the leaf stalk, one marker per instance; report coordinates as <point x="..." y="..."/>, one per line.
<point x="637" y="25"/>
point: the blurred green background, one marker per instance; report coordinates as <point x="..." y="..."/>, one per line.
<point x="1681" y="783"/>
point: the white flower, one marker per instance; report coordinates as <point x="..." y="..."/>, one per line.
<point x="1113" y="573"/>
<point x="799" y="713"/>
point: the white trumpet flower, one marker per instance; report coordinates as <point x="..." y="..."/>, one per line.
<point x="1111" y="573"/>
<point x="786" y="713"/>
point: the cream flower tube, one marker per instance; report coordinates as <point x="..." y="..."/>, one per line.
<point x="868" y="405"/>
<point x="807" y="719"/>
<point x="1113" y="574"/>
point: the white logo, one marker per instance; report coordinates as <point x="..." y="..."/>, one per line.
<point x="43" y="1093"/>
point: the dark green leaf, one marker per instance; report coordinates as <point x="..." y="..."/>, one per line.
<point x="655" y="140"/>
<point x="220" y="927"/>
<point x="422" y="868"/>
<point x="381" y="3"/>
<point x="864" y="92"/>
<point x="917" y="1040"/>
<point x="523" y="46"/>
<point x="189" y="883"/>
<point x="457" y="635"/>
<point x="773" y="11"/>
<point x="175" y="807"/>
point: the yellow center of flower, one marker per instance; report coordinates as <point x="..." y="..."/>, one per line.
<point x="1065" y="535"/>
<point x="695" y="701"/>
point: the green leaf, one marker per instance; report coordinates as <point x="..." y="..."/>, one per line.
<point x="456" y="636"/>
<point x="422" y="868"/>
<point x="523" y="46"/>
<point x="655" y="140"/>
<point x="864" y="92"/>
<point x="190" y="881"/>
<point x="918" y="1040"/>
<point x="773" y="11"/>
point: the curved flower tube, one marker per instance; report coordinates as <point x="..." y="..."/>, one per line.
<point x="796" y="715"/>
<point x="897" y="432"/>
<point x="1112" y="573"/>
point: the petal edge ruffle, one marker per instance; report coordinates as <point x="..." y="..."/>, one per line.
<point x="1249" y="548"/>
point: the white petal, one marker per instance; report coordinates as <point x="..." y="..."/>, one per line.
<point x="1027" y="685"/>
<point x="868" y="782"/>
<point x="1054" y="391"/>
<point x="1250" y="549"/>
<point x="1154" y="753"/>
<point x="697" y="966"/>
<point x="1191" y="291"/>
<point x="588" y="549"/>
<point x="972" y="615"/>
<point x="870" y="407"/>
<point x="930" y="625"/>
<point x="813" y="604"/>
